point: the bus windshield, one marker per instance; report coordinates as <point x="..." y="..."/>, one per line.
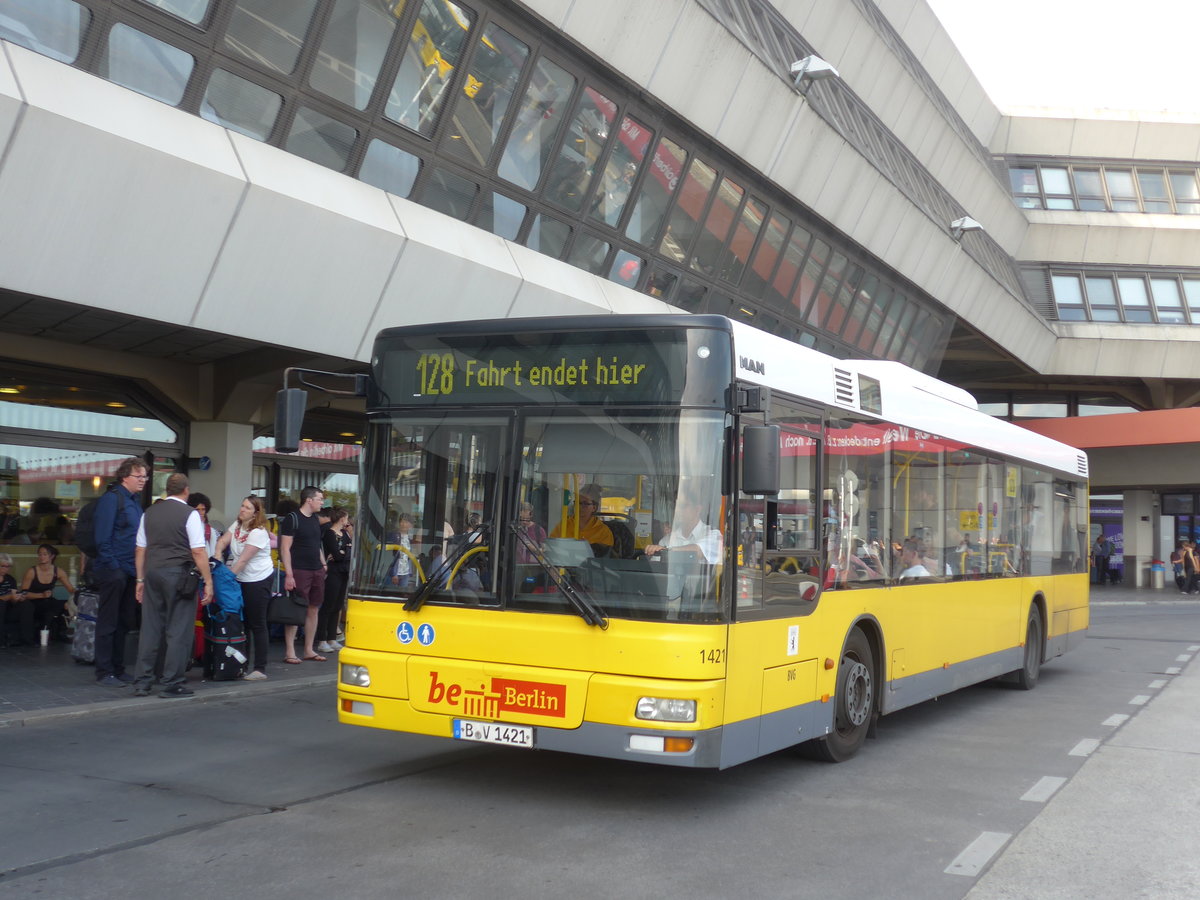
<point x="620" y="512"/>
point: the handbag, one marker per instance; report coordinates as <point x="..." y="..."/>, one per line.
<point x="288" y="608"/>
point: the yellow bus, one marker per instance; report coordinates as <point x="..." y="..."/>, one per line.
<point x="820" y="541"/>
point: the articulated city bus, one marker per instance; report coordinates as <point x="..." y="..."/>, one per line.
<point x="681" y="540"/>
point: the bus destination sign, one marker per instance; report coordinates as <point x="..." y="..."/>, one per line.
<point x="550" y="368"/>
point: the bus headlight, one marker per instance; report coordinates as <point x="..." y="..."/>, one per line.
<point x="666" y="709"/>
<point x="358" y="676"/>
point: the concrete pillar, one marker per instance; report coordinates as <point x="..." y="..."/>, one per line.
<point x="227" y="481"/>
<point x="1140" y="519"/>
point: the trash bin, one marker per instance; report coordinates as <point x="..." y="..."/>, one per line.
<point x="1158" y="574"/>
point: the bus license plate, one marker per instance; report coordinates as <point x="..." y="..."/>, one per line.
<point x="493" y="733"/>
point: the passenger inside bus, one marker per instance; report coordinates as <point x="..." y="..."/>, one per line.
<point x="582" y="523"/>
<point x="912" y="561"/>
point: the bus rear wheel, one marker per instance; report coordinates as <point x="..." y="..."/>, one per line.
<point x="854" y="702"/>
<point x="1026" y="677"/>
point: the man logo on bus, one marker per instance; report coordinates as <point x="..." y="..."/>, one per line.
<point x="503" y="696"/>
<point x="751" y="365"/>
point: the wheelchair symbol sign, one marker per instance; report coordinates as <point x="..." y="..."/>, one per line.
<point x="426" y="635"/>
<point x="404" y="633"/>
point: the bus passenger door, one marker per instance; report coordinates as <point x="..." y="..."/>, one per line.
<point x="772" y="659"/>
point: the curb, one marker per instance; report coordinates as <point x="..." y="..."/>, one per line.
<point x="234" y="690"/>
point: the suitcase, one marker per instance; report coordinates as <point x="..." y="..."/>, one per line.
<point x="199" y="641"/>
<point x="83" y="644"/>
<point x="225" y="652"/>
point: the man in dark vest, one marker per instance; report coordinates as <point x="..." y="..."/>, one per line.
<point x="170" y="542"/>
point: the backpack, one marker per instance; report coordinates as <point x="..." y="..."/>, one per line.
<point x="85" y="524"/>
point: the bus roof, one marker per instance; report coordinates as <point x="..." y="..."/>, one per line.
<point x="904" y="397"/>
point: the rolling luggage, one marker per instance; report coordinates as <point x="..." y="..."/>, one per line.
<point x="83" y="644"/>
<point x="225" y="653"/>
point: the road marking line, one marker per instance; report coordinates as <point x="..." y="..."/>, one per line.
<point x="1194" y="648"/>
<point x="1115" y="720"/>
<point x="1182" y="657"/>
<point x="1157" y="683"/>
<point x="1085" y="747"/>
<point x="1044" y="789"/>
<point x="1173" y="670"/>
<point x="972" y="860"/>
<point x="1139" y="700"/>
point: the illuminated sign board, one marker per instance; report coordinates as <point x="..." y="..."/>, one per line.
<point x="669" y="366"/>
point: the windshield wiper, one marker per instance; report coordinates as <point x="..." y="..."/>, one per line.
<point x="434" y="578"/>
<point x="579" y="598"/>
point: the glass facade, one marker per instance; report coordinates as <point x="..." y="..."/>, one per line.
<point x="1104" y="187"/>
<point x="477" y="111"/>
<point x="62" y="443"/>
<point x="1162" y="297"/>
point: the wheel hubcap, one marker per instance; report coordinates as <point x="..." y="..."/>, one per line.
<point x="858" y="693"/>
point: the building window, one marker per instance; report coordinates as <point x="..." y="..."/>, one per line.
<point x="240" y="105"/>
<point x="1115" y="187"/>
<point x="321" y="139"/>
<point x="146" y="65"/>
<point x="269" y="33"/>
<point x="53" y="28"/>
<point x="1126" y="297"/>
<point x="390" y="168"/>
<point x="192" y="11"/>
<point x="352" y="50"/>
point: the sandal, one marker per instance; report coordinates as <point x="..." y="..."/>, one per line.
<point x="292" y="660"/>
<point x="316" y="657"/>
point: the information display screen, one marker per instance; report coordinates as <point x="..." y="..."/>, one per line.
<point x="658" y="366"/>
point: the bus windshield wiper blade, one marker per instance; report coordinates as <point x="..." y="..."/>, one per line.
<point x="579" y="598"/>
<point x="444" y="568"/>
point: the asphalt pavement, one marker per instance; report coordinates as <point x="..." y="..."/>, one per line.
<point x="1128" y="823"/>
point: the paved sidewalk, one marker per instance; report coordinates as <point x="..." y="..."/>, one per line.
<point x="1128" y="823"/>
<point x="44" y="682"/>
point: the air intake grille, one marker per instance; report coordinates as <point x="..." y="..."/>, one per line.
<point x="843" y="387"/>
<point x="1083" y="465"/>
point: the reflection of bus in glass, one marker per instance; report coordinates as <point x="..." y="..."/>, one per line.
<point x="831" y="541"/>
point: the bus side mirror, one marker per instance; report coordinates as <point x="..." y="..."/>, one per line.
<point x="760" y="459"/>
<point x="289" y="419"/>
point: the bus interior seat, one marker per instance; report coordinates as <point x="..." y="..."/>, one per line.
<point x="623" y="544"/>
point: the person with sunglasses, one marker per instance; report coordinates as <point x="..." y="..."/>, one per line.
<point x="582" y="523"/>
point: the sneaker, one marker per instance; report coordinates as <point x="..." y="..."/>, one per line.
<point x="111" y="681"/>
<point x="176" y="691"/>
<point x="142" y="691"/>
<point x="127" y="678"/>
<point x="255" y="676"/>
<point x="325" y="647"/>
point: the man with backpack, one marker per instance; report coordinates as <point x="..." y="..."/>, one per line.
<point x="114" y="527"/>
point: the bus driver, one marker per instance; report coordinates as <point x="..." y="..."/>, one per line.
<point x="690" y="533"/>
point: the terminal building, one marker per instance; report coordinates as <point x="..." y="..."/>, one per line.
<point x="196" y="195"/>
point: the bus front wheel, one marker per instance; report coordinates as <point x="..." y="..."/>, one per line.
<point x="854" y="702"/>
